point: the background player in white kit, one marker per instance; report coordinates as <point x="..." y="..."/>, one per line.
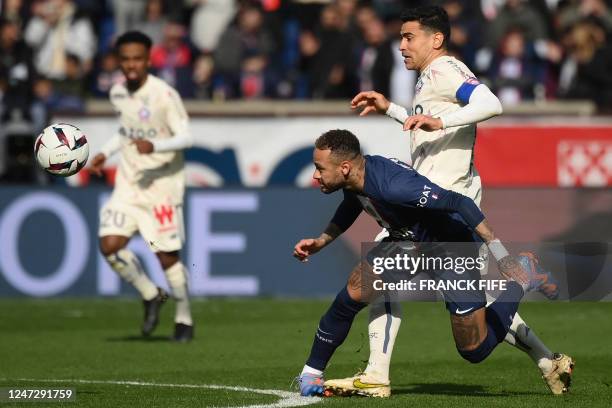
<point x="449" y="101"/>
<point x="150" y="182"/>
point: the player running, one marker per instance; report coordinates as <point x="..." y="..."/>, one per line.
<point x="150" y="183"/>
<point x="411" y="208"/>
<point x="449" y="101"/>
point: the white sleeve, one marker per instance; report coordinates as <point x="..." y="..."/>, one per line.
<point x="483" y="104"/>
<point x="178" y="142"/>
<point x="111" y="146"/>
<point x="178" y="122"/>
<point x="397" y="112"/>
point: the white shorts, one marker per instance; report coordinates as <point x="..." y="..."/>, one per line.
<point x="161" y="225"/>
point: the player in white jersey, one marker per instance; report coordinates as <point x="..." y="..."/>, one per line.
<point x="449" y="101"/>
<point x="150" y="183"/>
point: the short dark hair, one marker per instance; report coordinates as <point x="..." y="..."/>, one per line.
<point x="341" y="142"/>
<point x="137" y="37"/>
<point x="431" y="18"/>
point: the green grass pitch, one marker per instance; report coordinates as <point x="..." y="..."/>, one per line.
<point x="263" y="344"/>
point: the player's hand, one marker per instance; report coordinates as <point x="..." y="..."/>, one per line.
<point x="370" y="101"/>
<point x="97" y="164"/>
<point x="307" y="247"/>
<point x="511" y="269"/>
<point x="423" y="122"/>
<point x="143" y="146"/>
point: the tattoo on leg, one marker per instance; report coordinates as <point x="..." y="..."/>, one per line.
<point x="467" y="331"/>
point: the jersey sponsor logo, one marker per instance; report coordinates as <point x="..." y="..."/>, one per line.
<point x="424" y="196"/>
<point x="416" y="110"/>
<point x="163" y="213"/>
<point x="138" y="133"/>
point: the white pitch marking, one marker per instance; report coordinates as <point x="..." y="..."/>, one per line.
<point x="287" y="399"/>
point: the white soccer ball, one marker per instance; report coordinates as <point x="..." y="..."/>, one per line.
<point x="61" y="149"/>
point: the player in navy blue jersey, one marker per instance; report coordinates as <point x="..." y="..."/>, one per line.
<point x="413" y="208"/>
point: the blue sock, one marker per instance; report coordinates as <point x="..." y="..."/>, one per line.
<point x="333" y="329"/>
<point x="499" y="316"/>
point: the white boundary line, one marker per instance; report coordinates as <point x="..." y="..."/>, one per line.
<point x="287" y="398"/>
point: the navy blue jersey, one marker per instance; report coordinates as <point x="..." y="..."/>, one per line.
<point x="405" y="202"/>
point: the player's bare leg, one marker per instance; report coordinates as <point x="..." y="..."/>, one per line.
<point x="126" y="264"/>
<point x="177" y="277"/>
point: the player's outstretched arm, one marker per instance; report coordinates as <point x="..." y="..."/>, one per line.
<point x="310" y="246"/>
<point x="111" y="147"/>
<point x="370" y="101"/>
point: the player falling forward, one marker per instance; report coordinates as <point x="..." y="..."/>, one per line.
<point x="150" y="183"/>
<point x="392" y="193"/>
<point x="449" y="101"/>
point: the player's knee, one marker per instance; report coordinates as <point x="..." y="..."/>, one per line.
<point x="475" y="355"/>
<point x="168" y="259"/>
<point x="110" y="245"/>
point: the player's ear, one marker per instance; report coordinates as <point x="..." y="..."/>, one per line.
<point x="345" y="167"/>
<point x="438" y="40"/>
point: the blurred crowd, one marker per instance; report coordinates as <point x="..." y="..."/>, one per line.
<point x="56" y="53"/>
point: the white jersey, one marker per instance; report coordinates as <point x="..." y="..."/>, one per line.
<point x="446" y="156"/>
<point x="154" y="111"/>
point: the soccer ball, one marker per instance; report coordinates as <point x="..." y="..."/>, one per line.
<point x="61" y="149"/>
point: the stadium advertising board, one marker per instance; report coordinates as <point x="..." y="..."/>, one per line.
<point x="258" y="152"/>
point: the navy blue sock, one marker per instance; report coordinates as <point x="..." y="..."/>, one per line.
<point x="499" y="316"/>
<point x="333" y="329"/>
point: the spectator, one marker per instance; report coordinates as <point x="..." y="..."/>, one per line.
<point x="376" y="62"/>
<point x="108" y="75"/>
<point x="514" y="73"/>
<point x="329" y="59"/>
<point x="585" y="73"/>
<point x="171" y="59"/>
<point x="202" y="76"/>
<point x="15" y="10"/>
<point x="466" y="26"/>
<point x="208" y="22"/>
<point x="242" y="56"/>
<point x="58" y="29"/>
<point x="154" y="21"/>
<point x="68" y="94"/>
<point x="575" y="11"/>
<point x="16" y="71"/>
<point x="128" y="13"/>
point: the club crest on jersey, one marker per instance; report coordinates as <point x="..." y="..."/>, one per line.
<point x="144" y="113"/>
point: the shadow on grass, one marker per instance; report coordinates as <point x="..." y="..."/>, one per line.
<point x="142" y="339"/>
<point x="469" y="390"/>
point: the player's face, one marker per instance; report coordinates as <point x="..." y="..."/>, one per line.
<point x="418" y="45"/>
<point x="134" y="63"/>
<point x="328" y="171"/>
